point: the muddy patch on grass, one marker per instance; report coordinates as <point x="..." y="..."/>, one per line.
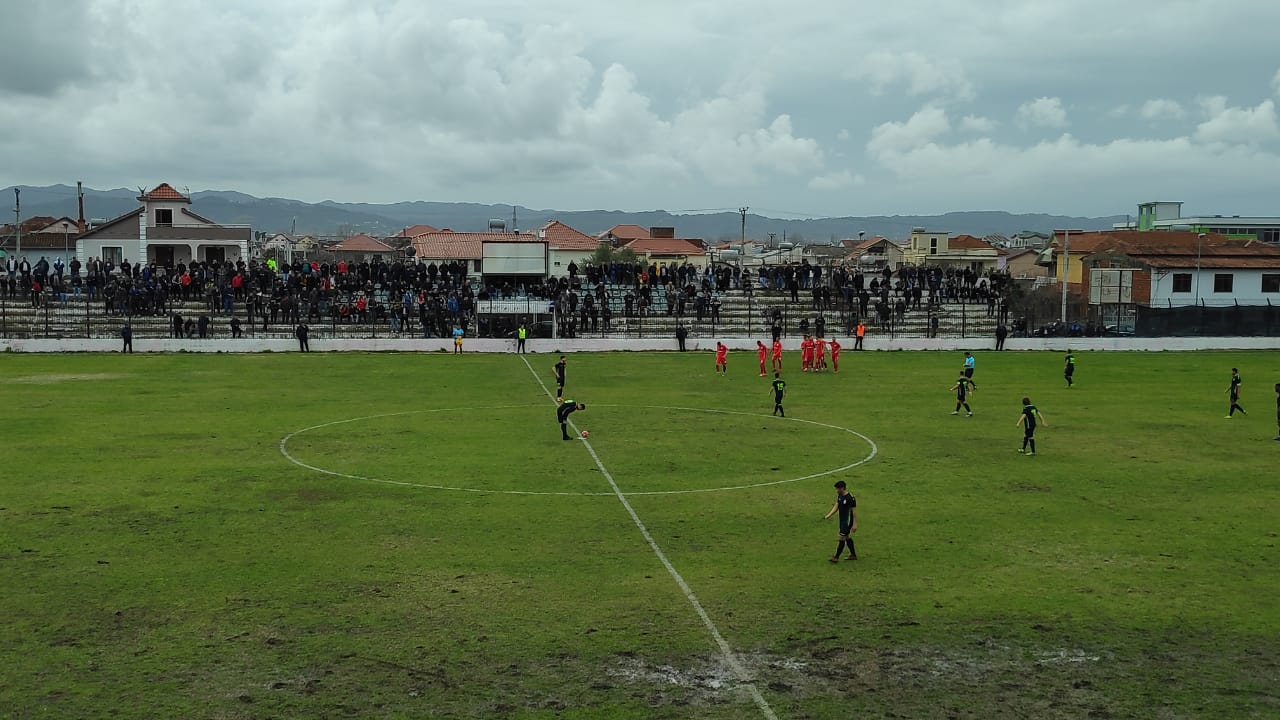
<point x="709" y="679"/>
<point x="55" y="378"/>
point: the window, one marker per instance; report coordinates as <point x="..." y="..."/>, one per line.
<point x="164" y="217"/>
<point x="1271" y="282"/>
<point x="113" y="255"/>
<point x="1222" y="282"/>
<point x="1182" y="282"/>
<point x="933" y="246"/>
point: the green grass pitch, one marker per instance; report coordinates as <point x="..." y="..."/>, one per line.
<point x="161" y="557"/>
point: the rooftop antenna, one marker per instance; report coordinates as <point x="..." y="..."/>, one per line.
<point x="515" y="230"/>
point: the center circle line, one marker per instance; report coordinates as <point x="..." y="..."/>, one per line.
<point x="284" y="450"/>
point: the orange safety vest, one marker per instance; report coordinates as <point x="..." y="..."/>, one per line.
<point x="862" y="330"/>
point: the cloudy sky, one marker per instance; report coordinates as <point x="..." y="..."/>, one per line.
<point x="818" y="107"/>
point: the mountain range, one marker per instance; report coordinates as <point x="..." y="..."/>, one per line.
<point x="330" y="218"/>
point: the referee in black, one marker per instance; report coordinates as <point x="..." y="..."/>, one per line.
<point x="567" y="408"/>
<point x="559" y="367"/>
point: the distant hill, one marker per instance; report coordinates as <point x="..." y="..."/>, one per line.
<point x="333" y="218"/>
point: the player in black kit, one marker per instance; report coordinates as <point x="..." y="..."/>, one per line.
<point x="779" y="387"/>
<point x="847" y="506"/>
<point x="567" y="408"/>
<point x="1030" y="414"/>
<point x="963" y="387"/>
<point x="1277" y="411"/>
<point x="1234" y="392"/>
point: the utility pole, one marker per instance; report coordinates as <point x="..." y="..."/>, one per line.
<point x="1066" y="260"/>
<point x="742" y="244"/>
<point x="17" y="222"/>
<point x="293" y="230"/>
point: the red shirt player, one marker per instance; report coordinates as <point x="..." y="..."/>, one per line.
<point x="722" y="358"/>
<point x="777" y="354"/>
<point x="820" y="355"/>
<point x="806" y="354"/>
<point x="835" y="355"/>
<point x="761" y="352"/>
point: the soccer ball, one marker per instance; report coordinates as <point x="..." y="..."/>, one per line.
<point x="585" y="434"/>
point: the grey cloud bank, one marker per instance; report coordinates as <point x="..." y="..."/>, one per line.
<point x="822" y="108"/>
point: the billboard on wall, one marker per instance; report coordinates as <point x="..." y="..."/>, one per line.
<point x="1109" y="286"/>
<point x="515" y="258"/>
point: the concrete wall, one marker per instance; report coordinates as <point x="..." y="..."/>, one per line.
<point x="744" y="346"/>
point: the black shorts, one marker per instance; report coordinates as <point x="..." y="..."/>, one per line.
<point x="1071" y="370"/>
<point x="844" y="529"/>
<point x="968" y="372"/>
<point x="1029" y="432"/>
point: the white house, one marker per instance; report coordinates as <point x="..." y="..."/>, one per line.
<point x="164" y="230"/>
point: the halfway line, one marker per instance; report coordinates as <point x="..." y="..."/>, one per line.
<point x="741" y="672"/>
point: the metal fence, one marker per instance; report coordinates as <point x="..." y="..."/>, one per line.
<point x="1208" y="321"/>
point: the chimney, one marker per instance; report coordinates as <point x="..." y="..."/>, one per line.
<point x="80" y="199"/>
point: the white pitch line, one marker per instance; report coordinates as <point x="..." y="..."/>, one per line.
<point x="725" y="650"/>
<point x="284" y="450"/>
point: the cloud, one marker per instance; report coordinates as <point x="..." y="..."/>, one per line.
<point x="978" y="124"/>
<point x="58" y="56"/>
<point x="568" y="105"/>
<point x="1042" y="112"/>
<point x="837" y="180"/>
<point x="349" y="96"/>
<point x="921" y="75"/>
<point x="1161" y="109"/>
<point x="928" y="123"/>
<point x="1237" y="125"/>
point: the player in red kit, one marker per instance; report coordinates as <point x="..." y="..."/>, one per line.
<point x="761" y="352"/>
<point x="777" y="355"/>
<point x="806" y="354"/>
<point x="835" y="355"/>
<point x="819" y="355"/>
<point x="722" y="358"/>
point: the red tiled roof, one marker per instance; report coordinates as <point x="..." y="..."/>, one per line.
<point x="967" y="242"/>
<point x="447" y="245"/>
<point x="869" y="242"/>
<point x="1176" y="248"/>
<point x="665" y="246"/>
<point x="625" y="232"/>
<point x="1271" y="262"/>
<point x="31" y="224"/>
<point x="164" y="191"/>
<point x="1161" y="242"/>
<point x="562" y="237"/>
<point x="363" y="243"/>
<point x="415" y="230"/>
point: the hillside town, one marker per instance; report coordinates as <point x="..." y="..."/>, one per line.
<point x="163" y="260"/>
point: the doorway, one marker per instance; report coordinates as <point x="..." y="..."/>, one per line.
<point x="163" y="256"/>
